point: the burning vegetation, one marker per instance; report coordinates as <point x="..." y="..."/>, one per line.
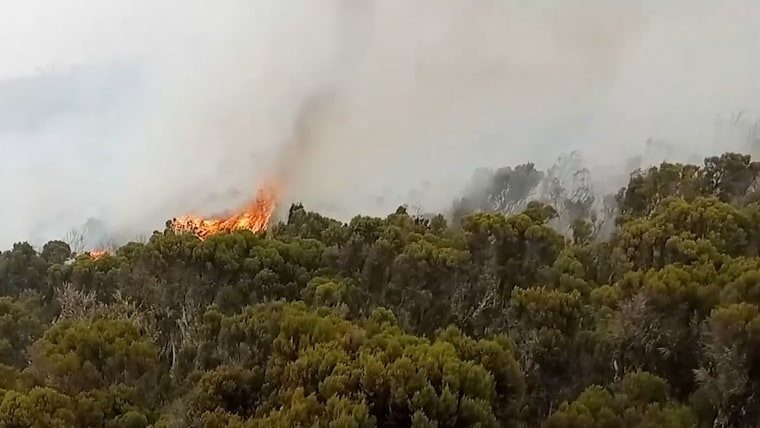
<point x="96" y="254"/>
<point x="254" y="217"/>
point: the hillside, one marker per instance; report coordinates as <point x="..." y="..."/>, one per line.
<point x="511" y="313"/>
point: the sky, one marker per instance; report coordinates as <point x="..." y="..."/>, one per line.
<point x="134" y="112"/>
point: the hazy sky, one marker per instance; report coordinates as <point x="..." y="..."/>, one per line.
<point x="355" y="102"/>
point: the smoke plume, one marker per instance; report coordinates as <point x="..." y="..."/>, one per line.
<point x="134" y="112"/>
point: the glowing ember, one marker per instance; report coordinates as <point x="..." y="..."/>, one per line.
<point x="255" y="217"/>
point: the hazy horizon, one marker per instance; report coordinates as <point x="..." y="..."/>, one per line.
<point x="131" y="113"/>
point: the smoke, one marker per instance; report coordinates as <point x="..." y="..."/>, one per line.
<point x="359" y="105"/>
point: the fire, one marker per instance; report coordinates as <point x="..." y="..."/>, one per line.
<point x="96" y="254"/>
<point x="254" y="217"/>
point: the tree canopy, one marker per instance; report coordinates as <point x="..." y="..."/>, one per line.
<point x="535" y="303"/>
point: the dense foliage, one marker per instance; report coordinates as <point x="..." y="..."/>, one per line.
<point x="514" y="313"/>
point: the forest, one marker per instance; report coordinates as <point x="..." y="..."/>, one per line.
<point x="639" y="309"/>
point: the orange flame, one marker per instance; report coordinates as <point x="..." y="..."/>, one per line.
<point x="96" y="254"/>
<point x="255" y="217"/>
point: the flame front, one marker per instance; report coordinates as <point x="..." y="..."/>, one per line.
<point x="255" y="217"/>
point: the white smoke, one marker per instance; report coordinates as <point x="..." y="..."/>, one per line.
<point x="415" y="95"/>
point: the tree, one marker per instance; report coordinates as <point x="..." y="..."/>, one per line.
<point x="76" y="357"/>
<point x="55" y="252"/>
<point x="639" y="400"/>
<point x="538" y="304"/>
<point x="19" y="328"/>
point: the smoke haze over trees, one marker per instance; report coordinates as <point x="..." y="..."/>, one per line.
<point x="573" y="238"/>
